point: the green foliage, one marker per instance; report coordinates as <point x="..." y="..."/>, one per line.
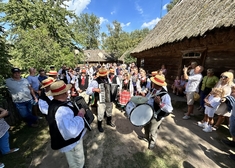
<point x="5" y="66"/>
<point x="172" y="4"/>
<point x="87" y="30"/>
<point x="40" y="33"/>
<point x="118" y="42"/>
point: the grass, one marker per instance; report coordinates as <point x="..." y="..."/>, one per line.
<point x="31" y="141"/>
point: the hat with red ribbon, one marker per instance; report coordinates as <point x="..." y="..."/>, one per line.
<point x="158" y="80"/>
<point x="47" y="82"/>
<point x="103" y="72"/>
<point x="58" y="88"/>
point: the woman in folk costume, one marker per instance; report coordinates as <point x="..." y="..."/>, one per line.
<point x="126" y="91"/>
<point x="134" y="78"/>
<point x="144" y="84"/>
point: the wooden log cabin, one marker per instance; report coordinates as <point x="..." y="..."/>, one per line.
<point x="201" y="31"/>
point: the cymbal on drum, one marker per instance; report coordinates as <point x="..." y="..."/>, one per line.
<point x="139" y="99"/>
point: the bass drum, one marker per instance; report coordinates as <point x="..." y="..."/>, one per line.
<point x="139" y="115"/>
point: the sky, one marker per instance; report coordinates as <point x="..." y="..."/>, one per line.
<point x="132" y="14"/>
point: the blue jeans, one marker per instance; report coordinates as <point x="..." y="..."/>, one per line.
<point x="202" y="97"/>
<point x="25" y="110"/>
<point x="232" y="125"/>
<point x="4" y="143"/>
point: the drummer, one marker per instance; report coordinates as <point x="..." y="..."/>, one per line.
<point x="160" y="101"/>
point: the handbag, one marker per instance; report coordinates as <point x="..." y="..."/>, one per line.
<point x="196" y="96"/>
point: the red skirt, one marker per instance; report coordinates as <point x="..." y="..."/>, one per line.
<point x="124" y="97"/>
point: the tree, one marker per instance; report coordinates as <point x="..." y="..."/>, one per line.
<point x="39" y="32"/>
<point x="4" y="63"/>
<point x="87" y="28"/>
<point x="172" y="4"/>
<point x="111" y="41"/>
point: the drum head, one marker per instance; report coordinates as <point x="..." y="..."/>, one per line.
<point x="139" y="99"/>
<point x="141" y="115"/>
<point x="129" y="107"/>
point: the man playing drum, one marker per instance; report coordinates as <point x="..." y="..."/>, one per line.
<point x="160" y="101"/>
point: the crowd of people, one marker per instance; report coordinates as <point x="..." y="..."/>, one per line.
<point x="50" y="94"/>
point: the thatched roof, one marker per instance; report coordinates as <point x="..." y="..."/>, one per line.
<point x="97" y="56"/>
<point x="189" y="18"/>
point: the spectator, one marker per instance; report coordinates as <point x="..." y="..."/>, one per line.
<point x="175" y="84"/>
<point x="4" y="134"/>
<point x="231" y="143"/>
<point x="181" y="88"/>
<point x="42" y="76"/>
<point x="211" y="105"/>
<point x="191" y="68"/>
<point x="35" y="84"/>
<point x="208" y="82"/>
<point x="22" y="92"/>
<point x="163" y="70"/>
<point x="192" y="87"/>
<point x="225" y="82"/>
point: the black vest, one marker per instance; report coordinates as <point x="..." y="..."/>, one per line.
<point x="114" y="80"/>
<point x="57" y="141"/>
<point x="44" y="97"/>
<point x="83" y="87"/>
<point x="156" y="106"/>
<point x="99" y="81"/>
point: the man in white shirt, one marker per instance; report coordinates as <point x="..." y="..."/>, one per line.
<point x="66" y="125"/>
<point x="192" y="86"/>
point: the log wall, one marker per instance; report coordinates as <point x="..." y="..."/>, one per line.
<point x="217" y="48"/>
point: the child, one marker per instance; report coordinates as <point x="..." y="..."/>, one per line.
<point x="211" y="105"/>
<point x="175" y="84"/>
<point x="180" y="89"/>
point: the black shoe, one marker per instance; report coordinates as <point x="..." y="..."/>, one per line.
<point x="100" y="129"/>
<point x="111" y="124"/>
<point x="142" y="138"/>
<point x="228" y="142"/>
<point x="100" y="126"/>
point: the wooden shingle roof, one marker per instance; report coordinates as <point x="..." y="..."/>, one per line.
<point x="189" y="18"/>
<point x="97" y="56"/>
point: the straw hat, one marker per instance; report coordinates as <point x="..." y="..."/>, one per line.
<point x="103" y="72"/>
<point x="47" y="82"/>
<point x="139" y="99"/>
<point x="52" y="73"/>
<point x="58" y="88"/>
<point x="158" y="80"/>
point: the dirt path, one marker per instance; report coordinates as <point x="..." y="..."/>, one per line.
<point x="181" y="143"/>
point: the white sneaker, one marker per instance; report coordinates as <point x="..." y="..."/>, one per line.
<point x="208" y="129"/>
<point x="201" y="124"/>
<point x="186" y="117"/>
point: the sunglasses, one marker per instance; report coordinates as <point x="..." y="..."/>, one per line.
<point x="223" y="77"/>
